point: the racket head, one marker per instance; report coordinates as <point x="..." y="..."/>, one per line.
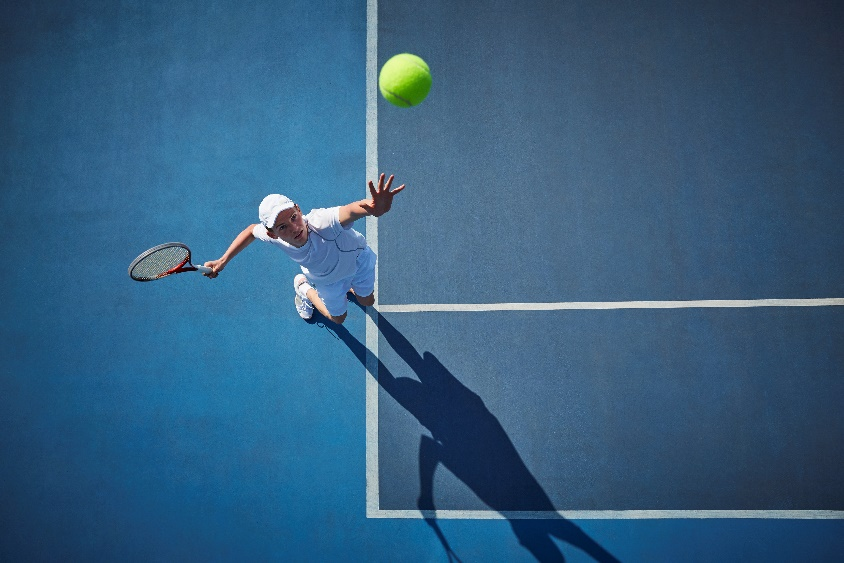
<point x="161" y="261"/>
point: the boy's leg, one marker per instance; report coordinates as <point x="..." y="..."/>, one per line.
<point x="320" y="306"/>
<point x="367" y="301"/>
<point x="363" y="284"/>
<point x="300" y="283"/>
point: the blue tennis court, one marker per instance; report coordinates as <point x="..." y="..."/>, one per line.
<point x="609" y="303"/>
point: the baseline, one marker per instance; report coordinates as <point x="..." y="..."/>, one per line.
<point x="610" y="514"/>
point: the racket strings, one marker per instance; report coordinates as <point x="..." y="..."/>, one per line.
<point x="160" y="262"/>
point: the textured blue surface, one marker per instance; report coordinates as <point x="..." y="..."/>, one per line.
<point x="191" y="419"/>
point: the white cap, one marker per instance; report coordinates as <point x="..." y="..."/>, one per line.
<point x="272" y="205"/>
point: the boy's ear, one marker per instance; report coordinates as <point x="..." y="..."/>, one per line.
<point x="270" y="233"/>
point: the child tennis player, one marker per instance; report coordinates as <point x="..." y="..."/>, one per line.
<point x="333" y="256"/>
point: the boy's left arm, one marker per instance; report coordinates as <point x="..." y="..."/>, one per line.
<point x="381" y="202"/>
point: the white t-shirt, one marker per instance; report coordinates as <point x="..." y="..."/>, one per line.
<point x="331" y="251"/>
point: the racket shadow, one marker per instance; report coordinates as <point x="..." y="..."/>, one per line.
<point x="468" y="440"/>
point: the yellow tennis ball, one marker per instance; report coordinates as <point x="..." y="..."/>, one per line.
<point x="405" y="80"/>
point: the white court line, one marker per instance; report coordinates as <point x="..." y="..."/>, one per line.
<point x="372" y="486"/>
<point x="372" y="493"/>
<point x="600" y="305"/>
<point x="609" y="514"/>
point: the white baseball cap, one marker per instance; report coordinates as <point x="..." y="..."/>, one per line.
<point x="272" y="205"/>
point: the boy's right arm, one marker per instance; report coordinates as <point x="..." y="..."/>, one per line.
<point x="240" y="242"/>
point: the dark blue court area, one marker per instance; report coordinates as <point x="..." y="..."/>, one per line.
<point x="569" y="152"/>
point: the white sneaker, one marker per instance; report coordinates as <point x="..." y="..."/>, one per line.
<point x="303" y="305"/>
<point x="304" y="308"/>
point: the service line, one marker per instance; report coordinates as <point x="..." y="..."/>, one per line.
<point x="601" y="305"/>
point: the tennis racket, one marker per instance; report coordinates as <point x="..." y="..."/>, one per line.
<point x="161" y="261"/>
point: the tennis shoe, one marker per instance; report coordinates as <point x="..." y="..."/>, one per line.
<point x="304" y="308"/>
<point x="303" y="305"/>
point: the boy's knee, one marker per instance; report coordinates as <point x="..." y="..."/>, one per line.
<point x="338" y="319"/>
<point x="367" y="301"/>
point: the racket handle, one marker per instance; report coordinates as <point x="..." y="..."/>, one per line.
<point x="203" y="269"/>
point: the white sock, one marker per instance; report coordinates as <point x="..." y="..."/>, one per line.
<point x="302" y="290"/>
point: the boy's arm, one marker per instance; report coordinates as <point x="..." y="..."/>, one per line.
<point x="352" y="212"/>
<point x="381" y="202"/>
<point x="240" y="242"/>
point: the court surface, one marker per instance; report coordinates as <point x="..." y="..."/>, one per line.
<point x="609" y="318"/>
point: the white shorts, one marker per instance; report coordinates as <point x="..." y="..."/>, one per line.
<point x="362" y="281"/>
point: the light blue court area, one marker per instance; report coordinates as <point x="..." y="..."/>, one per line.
<point x="645" y="199"/>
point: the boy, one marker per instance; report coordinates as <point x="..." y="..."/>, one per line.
<point x="334" y="257"/>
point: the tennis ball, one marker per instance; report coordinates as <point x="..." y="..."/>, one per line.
<point x="405" y="80"/>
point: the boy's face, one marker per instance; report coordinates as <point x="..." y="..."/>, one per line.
<point x="290" y="227"/>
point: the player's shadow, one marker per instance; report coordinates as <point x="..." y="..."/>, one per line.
<point x="469" y="441"/>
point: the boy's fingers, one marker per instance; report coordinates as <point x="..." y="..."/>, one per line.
<point x="397" y="190"/>
<point x="389" y="181"/>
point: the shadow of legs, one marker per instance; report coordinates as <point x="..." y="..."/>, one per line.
<point x="429" y="458"/>
<point x="471" y="443"/>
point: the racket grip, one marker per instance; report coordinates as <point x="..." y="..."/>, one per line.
<point x="203" y="269"/>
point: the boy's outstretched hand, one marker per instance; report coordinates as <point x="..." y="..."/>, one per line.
<point x="382" y="197"/>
